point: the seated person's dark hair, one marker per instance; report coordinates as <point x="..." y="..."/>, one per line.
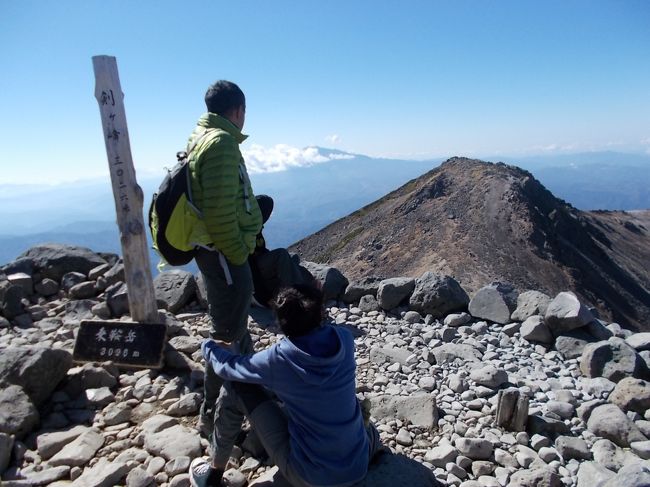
<point x="224" y="96"/>
<point x="299" y="309"/>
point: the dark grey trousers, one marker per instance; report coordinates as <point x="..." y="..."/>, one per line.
<point x="228" y="306"/>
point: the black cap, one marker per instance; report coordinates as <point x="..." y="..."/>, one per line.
<point x="265" y="203"/>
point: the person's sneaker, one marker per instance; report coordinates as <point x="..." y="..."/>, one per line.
<point x="203" y="475"/>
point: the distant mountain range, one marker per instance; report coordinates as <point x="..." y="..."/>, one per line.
<point x="480" y="222"/>
<point x="306" y="198"/>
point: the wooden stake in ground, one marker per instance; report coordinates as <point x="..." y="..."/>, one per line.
<point x="127" y="193"/>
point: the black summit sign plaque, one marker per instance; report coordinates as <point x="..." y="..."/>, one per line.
<point x="124" y="343"/>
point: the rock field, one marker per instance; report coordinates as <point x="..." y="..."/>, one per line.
<point x="431" y="366"/>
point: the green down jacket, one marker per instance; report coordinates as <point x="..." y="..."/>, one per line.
<point x="221" y="189"/>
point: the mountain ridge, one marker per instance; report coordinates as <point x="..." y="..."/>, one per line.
<point x="482" y="222"/>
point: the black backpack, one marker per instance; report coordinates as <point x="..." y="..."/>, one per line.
<point x="172" y="212"/>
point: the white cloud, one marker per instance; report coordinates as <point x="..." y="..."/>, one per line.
<point x="646" y="141"/>
<point x="282" y="157"/>
<point x="333" y="139"/>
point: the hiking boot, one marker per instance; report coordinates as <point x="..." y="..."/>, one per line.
<point x="203" y="475"/>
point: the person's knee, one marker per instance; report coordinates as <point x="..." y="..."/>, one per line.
<point x="251" y="395"/>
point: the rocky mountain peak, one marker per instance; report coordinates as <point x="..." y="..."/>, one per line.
<point x="481" y="222"/>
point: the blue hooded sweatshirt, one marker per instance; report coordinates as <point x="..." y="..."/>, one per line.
<point x="314" y="376"/>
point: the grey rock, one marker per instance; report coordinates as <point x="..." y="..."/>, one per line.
<point x="495" y="302"/>
<point x="6" y="446"/>
<point x="175" y="288"/>
<point x="139" y="477"/>
<point x="71" y="279"/>
<point x="186" y="344"/>
<point x="566" y="313"/>
<point x="610" y="456"/>
<point x="117" y="299"/>
<point x="633" y="475"/>
<point x="593" y="474"/>
<point x="78" y="310"/>
<point x="639" y="341"/>
<point x="440" y="456"/>
<point x="641" y="449"/>
<point x="201" y="291"/>
<point x="489" y="376"/>
<point x="419" y="410"/>
<point x="173" y="442"/>
<point x="18" y="415"/>
<point x="49" y="444"/>
<point x="541" y="477"/>
<point x="571" y="344"/>
<point x="368" y="303"/>
<point x="115" y="274"/>
<point x="47" y="287"/>
<point x="392" y="292"/>
<point x="449" y="352"/>
<point x="332" y="281"/>
<point x="55" y="260"/>
<point x="88" y="376"/>
<point x="21" y="264"/>
<point x="474" y="448"/>
<point x="103" y="474"/>
<point x="437" y="295"/>
<point x="48" y="325"/>
<point x="47" y="476"/>
<point x="360" y="288"/>
<point x="83" y="290"/>
<point x="78" y="452"/>
<point x="183" y="480"/>
<point x="599" y="386"/>
<point x="117" y="413"/>
<point x="11" y="303"/>
<point x="599" y="330"/>
<point x="22" y="280"/>
<point x="177" y="465"/>
<point x="564" y="410"/>
<point x="379" y="355"/>
<point x="546" y="426"/>
<point x="187" y="405"/>
<point x="412" y="317"/>
<point x="613" y="359"/>
<point x="535" y="330"/>
<point x="608" y="421"/>
<point x="98" y="271"/>
<point x="457" y="319"/>
<point x="573" y="448"/>
<point x="530" y="303"/>
<point x="631" y="394"/>
<point x="99" y="397"/>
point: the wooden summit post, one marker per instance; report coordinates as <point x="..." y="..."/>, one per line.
<point x="140" y="343"/>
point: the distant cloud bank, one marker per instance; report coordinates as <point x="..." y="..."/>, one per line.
<point x="281" y="157"/>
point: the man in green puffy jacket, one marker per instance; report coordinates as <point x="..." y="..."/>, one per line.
<point x="222" y="193"/>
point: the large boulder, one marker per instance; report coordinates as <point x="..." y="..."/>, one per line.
<point x="535" y="330"/>
<point x="363" y="287"/>
<point x="175" y="289"/>
<point x="632" y="475"/>
<point x="613" y="359"/>
<point x="438" y="295"/>
<point x="529" y="304"/>
<point x="608" y="421"/>
<point x="79" y="451"/>
<point x="6" y="447"/>
<point x="566" y="313"/>
<point x="631" y="394"/>
<point x="639" y="341"/>
<point x="54" y="260"/>
<point x="494" y="302"/>
<point x="18" y="415"/>
<point x="392" y="292"/>
<point x="333" y="282"/>
<point x="37" y="370"/>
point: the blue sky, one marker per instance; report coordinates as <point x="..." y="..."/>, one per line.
<point x="411" y="79"/>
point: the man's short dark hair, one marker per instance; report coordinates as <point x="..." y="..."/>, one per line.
<point x="299" y="309"/>
<point x="224" y="96"/>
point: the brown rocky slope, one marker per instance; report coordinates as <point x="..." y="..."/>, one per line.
<point x="479" y="222"/>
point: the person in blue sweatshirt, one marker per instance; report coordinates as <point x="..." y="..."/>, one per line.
<point x="318" y="437"/>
